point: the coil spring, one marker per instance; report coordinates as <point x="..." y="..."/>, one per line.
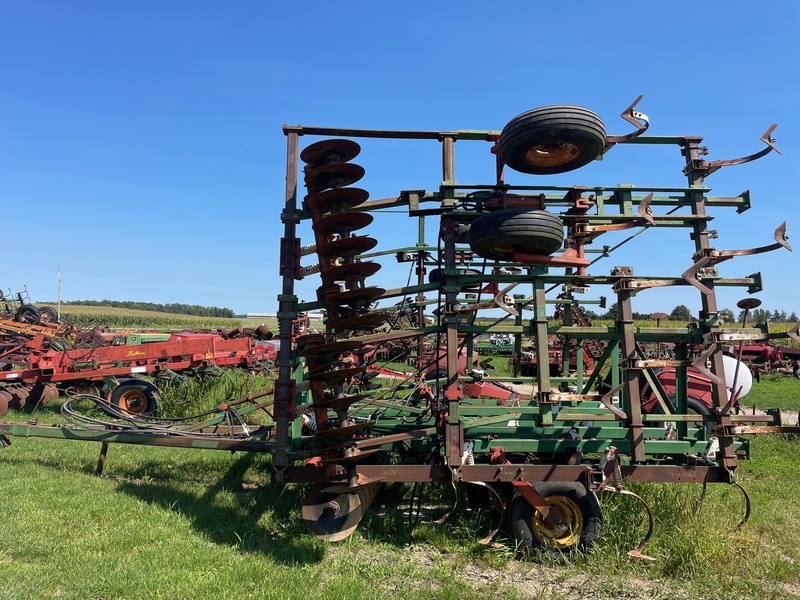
<point x="617" y="474"/>
<point x="306" y="250"/>
<point x="310" y="270"/>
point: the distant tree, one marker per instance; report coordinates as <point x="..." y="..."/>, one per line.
<point x="776" y="316"/>
<point x="793" y="317"/>
<point x="760" y="315"/>
<point x="680" y="313"/>
<point x="613" y="312"/>
<point x="591" y="315"/>
<point x="726" y="314"/>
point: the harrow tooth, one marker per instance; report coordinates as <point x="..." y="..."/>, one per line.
<point x="330" y="151"/>
<point x="337" y="200"/>
<point x="332" y="175"/>
<point x="342" y="224"/>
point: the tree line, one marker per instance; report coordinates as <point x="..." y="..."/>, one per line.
<point x="682" y="313"/>
<point x="194" y="310"/>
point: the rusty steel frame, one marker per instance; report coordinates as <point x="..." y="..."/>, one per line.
<point x="625" y="285"/>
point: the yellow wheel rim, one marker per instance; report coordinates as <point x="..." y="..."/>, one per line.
<point x="570" y="513"/>
<point x="552" y="154"/>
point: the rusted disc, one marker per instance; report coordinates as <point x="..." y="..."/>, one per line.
<point x="337" y="200"/>
<point x="330" y="151"/>
<point x="346" y="247"/>
<point x="19" y="395"/>
<point x="5" y="400"/>
<point x="331" y="517"/>
<point x="333" y="175"/>
<point x="340" y="401"/>
<point x="350" y="271"/>
<point x="309" y="339"/>
<point x="360" y="322"/>
<point x="342" y="223"/>
<point x="335" y="348"/>
<point x="330" y="376"/>
<point x="748" y="303"/>
<point x="365" y="295"/>
<point x="357" y="457"/>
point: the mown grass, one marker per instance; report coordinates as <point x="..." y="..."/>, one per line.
<point x="175" y="523"/>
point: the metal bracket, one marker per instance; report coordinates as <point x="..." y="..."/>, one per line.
<point x="708" y="167"/>
<point x="700" y="364"/>
<point x="593" y="231"/>
<point x="635" y="118"/>
<point x="569" y="258"/>
<point x="708" y="257"/>
<point x="499" y="301"/>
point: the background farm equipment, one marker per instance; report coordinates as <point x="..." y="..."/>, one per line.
<point x="534" y="448"/>
<point x="18" y="306"/>
<point x="40" y="360"/>
<point x="764" y="358"/>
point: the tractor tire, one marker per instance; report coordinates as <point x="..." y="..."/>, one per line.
<point x="578" y="507"/>
<point x="694" y="405"/>
<point x="27" y="314"/>
<point x="135" y="397"/>
<point x="552" y="139"/>
<point x="499" y="235"/>
<point x="48" y="314"/>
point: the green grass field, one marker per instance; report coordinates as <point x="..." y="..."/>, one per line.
<point x="175" y="523"/>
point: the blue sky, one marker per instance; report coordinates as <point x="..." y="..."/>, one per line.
<point x="141" y="150"/>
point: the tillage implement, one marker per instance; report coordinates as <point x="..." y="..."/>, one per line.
<point x="399" y="386"/>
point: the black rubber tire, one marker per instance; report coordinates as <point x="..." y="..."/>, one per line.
<point x="694" y="405"/>
<point x="499" y="234"/>
<point x="435" y="276"/>
<point x="552" y="139"/>
<point x="525" y="524"/>
<point x="135" y="397"/>
<point x="27" y="314"/>
<point x="48" y="314"/>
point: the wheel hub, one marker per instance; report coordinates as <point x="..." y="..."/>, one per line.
<point x="552" y="154"/>
<point x="560" y="538"/>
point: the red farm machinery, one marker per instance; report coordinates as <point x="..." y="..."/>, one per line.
<point x="585" y="409"/>
<point x="37" y="361"/>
